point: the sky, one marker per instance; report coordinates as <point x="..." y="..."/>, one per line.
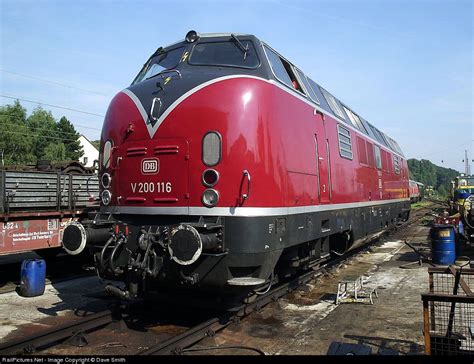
<point x="404" y="65"/>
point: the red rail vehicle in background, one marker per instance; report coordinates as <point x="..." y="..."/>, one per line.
<point x="224" y="167"/>
<point x="37" y="202"/>
<point x="415" y="194"/>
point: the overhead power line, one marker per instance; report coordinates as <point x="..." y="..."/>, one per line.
<point x="38" y="135"/>
<point x="50" y="105"/>
<point x="63" y="132"/>
<point x="39" y="130"/>
<point x="59" y="131"/>
<point x="456" y="146"/>
<point x="53" y="82"/>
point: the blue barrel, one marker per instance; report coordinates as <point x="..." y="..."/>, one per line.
<point x="463" y="194"/>
<point x="443" y="249"/>
<point x="33" y="277"/>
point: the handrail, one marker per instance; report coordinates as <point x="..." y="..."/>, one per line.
<point x="246" y="195"/>
<point x="445" y="270"/>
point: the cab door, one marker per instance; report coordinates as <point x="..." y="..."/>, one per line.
<point x="322" y="160"/>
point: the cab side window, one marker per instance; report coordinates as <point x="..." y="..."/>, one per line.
<point x="283" y="70"/>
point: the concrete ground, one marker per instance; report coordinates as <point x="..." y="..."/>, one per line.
<point x="67" y="300"/>
<point x="308" y="321"/>
<point x="304" y="322"/>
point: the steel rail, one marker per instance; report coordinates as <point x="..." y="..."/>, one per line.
<point x="177" y="344"/>
<point x="30" y="344"/>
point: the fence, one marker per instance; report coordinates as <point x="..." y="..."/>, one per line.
<point x="448" y="312"/>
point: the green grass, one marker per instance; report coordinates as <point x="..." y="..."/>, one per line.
<point x="419" y="205"/>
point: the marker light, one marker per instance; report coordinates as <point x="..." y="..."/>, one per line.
<point x="210" y="177"/>
<point x="106" y="197"/>
<point x="210" y="197"/>
<point x="106" y="180"/>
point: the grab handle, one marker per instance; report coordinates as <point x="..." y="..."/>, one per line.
<point x="246" y="195"/>
<point x="152" y="110"/>
<point x="162" y="73"/>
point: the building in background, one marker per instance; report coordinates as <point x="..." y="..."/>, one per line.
<point x="90" y="152"/>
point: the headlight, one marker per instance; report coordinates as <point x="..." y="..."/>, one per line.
<point x="211" y="148"/>
<point x="106" y="180"/>
<point x="210" y="197"/>
<point x="210" y="177"/>
<point x="107" y="154"/>
<point x="106" y="197"/>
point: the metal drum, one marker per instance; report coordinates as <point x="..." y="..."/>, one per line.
<point x="462" y="195"/>
<point x="33" y="277"/>
<point x="443" y="249"/>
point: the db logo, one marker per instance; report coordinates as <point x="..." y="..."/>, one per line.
<point x="150" y="166"/>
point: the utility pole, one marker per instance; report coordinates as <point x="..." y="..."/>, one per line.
<point x="467" y="167"/>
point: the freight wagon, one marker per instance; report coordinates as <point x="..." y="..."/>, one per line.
<point x="37" y="203"/>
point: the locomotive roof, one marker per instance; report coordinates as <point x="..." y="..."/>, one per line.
<point x="368" y="129"/>
<point x="382" y="139"/>
<point x="208" y="35"/>
<point x="212" y="35"/>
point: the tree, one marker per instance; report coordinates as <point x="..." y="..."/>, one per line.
<point x="55" y="152"/>
<point x="70" y="139"/>
<point x="96" y="144"/>
<point x="43" y="127"/>
<point x="432" y="175"/>
<point x="15" y="139"/>
<point x="442" y="191"/>
<point x="24" y="140"/>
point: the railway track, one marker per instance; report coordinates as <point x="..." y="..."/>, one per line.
<point x="416" y="216"/>
<point x="178" y="344"/>
<point x="45" y="338"/>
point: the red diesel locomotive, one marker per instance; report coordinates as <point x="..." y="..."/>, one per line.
<point x="224" y="166"/>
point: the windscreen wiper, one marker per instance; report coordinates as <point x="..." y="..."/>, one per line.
<point x="162" y="73"/>
<point x="146" y="65"/>
<point x="157" y="52"/>
<point x="241" y="46"/>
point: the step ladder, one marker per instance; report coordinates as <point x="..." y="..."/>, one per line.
<point x="351" y="290"/>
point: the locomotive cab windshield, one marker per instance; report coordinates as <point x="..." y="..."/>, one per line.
<point x="163" y="61"/>
<point x="233" y="53"/>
